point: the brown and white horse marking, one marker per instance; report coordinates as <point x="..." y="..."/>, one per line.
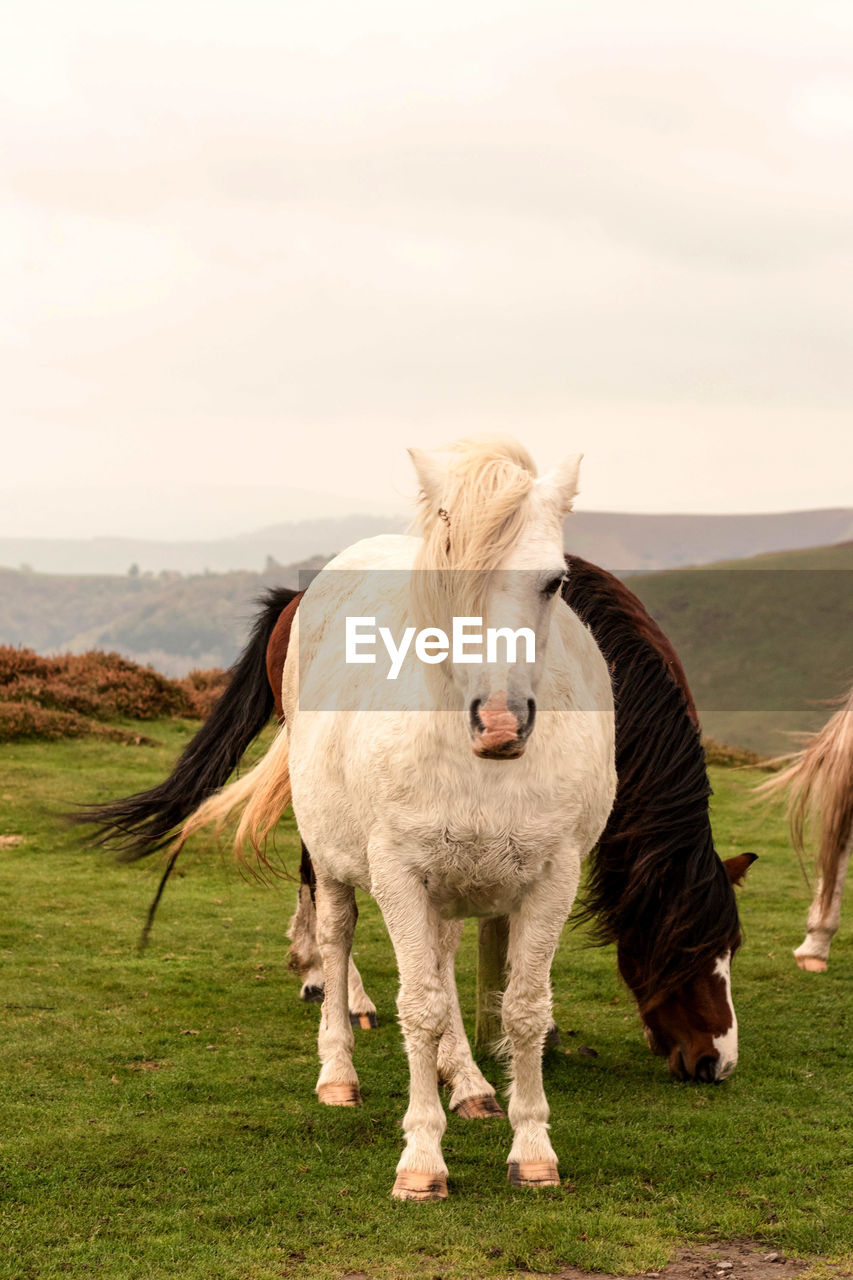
<point x="819" y="783"/>
<point x="695" y="1028"/>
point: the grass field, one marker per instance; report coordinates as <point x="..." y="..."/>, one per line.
<point x="157" y="1115"/>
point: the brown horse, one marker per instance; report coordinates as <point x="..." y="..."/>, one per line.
<point x="656" y="887"/>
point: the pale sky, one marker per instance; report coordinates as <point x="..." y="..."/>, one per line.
<point x="251" y="248"/>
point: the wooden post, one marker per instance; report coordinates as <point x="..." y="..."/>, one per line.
<point x="492" y="938"/>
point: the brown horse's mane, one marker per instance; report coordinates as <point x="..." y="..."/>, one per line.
<point x="656" y="885"/>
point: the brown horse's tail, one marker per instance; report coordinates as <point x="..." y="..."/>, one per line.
<point x="263" y="794"/>
<point x="138" y="825"/>
<point x="819" y="782"/>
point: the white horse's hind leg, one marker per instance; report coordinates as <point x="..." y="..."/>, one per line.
<point x="306" y="960"/>
<point x="362" y="1010"/>
<point x="424" y="1011"/>
<point x="471" y="1095"/>
<point x="526" y="1012"/>
<point x="336" y="916"/>
<point x="821" y="928"/>
<point x="304" y="956"/>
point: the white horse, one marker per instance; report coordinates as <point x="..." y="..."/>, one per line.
<point x="819" y="783"/>
<point x="446" y="801"/>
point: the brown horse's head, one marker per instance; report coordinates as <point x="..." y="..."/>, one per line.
<point x="693" y="1026"/>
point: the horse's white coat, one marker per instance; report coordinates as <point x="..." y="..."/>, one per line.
<point x="726" y="1045"/>
<point x="395" y="802"/>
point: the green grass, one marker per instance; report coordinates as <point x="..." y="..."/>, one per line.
<point x="157" y="1115"/>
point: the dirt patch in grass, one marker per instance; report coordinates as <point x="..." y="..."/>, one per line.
<point x="734" y="1260"/>
<point x="731" y="1260"/>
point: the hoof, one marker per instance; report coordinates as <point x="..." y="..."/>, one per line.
<point x="485" y="1104"/>
<point x="533" y="1173"/>
<point x="311" y="995"/>
<point x="339" y="1095"/>
<point x="411" y="1185"/>
<point x="812" y="964"/>
<point x="367" y="1021"/>
<point x="553" y="1040"/>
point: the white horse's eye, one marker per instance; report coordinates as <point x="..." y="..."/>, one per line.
<point x="553" y="586"/>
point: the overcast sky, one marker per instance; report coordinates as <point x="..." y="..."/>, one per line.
<point x="257" y="247"/>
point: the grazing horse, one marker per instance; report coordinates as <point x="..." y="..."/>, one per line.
<point x="655" y="861"/>
<point x="479" y="791"/>
<point x="657" y="887"/>
<point x="819" y="782"/>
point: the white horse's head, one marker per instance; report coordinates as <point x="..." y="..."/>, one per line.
<point x="493" y="550"/>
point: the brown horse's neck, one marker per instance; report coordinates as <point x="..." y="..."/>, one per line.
<point x="605" y="588"/>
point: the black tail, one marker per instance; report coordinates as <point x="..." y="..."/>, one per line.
<point x="142" y="823"/>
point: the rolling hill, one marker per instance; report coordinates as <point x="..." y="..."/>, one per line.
<point x="618" y="541"/>
<point x="173" y="623"/>
<point x="763" y="640"/>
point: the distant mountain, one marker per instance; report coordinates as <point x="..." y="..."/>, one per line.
<point x="631" y="543"/>
<point x="620" y="542"/>
<point x="284" y="543"/>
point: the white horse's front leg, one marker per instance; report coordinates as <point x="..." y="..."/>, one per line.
<point x="471" y="1095"/>
<point x="534" y="932"/>
<point x="413" y="926"/>
<point x="821" y="927"/>
<point x="336" y="916"/>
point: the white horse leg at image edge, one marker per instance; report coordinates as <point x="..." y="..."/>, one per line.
<point x="822" y="924"/>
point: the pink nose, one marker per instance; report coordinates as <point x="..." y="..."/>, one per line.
<point x="500" y="726"/>
<point x="493" y="723"/>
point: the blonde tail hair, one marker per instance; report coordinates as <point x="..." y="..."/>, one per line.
<point x="819" y="782"/>
<point x="264" y="793"/>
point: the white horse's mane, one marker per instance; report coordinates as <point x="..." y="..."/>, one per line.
<point x="476" y="518"/>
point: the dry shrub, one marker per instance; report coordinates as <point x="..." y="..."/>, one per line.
<point x="20" y="721"/>
<point x="100" y="685"/>
<point x="17" y="664"/>
<point x="203" y="688"/>
<point x="732" y="757"/>
<point x="71" y="695"/>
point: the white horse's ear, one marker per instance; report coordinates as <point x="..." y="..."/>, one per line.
<point x="560" y="484"/>
<point x="431" y="473"/>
